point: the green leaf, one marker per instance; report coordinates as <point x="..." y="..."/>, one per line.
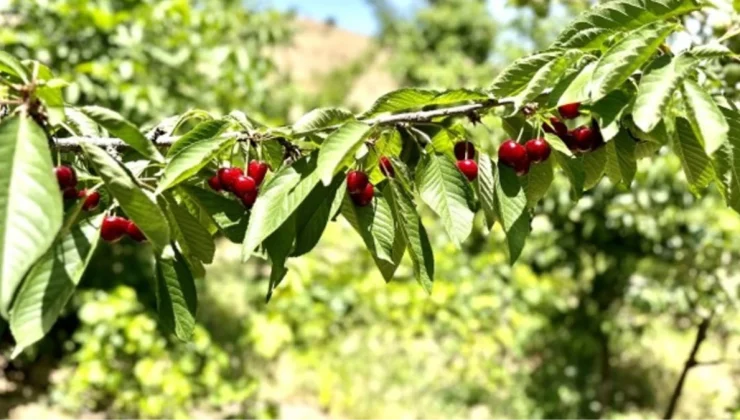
<point x="537" y="181"/>
<point x="313" y="215"/>
<point x="592" y="28"/>
<point x="696" y="164"/>
<point x="728" y="161"/>
<point x="710" y="51"/>
<point x="657" y="87"/>
<point x="51" y="282"/>
<point x="512" y="212"/>
<point x="517" y="76"/>
<point x="81" y="124"/>
<point x="707" y="120"/>
<point x="575" y="87"/>
<point x="322" y="118"/>
<point x="621" y="164"/>
<point x="228" y="215"/>
<point x="30" y="202"/>
<point x="13" y="67"/>
<point x="486" y="185"/>
<point x="409" y="99"/>
<point x="338" y="146"/>
<point x="138" y="205"/>
<point x="573" y="169"/>
<point x="594" y="165"/>
<point x="177" y="300"/>
<point x="545" y="77"/>
<point x="194" y="239"/>
<point x="278" y="199"/>
<point x="191" y="159"/>
<point x="377" y="228"/>
<point x="118" y="126"/>
<point x="278" y="246"/>
<point x="414" y="234"/>
<point x="447" y="192"/>
<point x="627" y="56"/>
<point x="558" y="144"/>
<point x="201" y="132"/>
<point x="609" y="110"/>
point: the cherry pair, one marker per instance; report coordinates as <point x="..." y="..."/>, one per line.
<point x="360" y="189"/>
<point x="520" y="157"/>
<point x="115" y="227"/>
<point x="67" y="179"/>
<point x="244" y="186"/>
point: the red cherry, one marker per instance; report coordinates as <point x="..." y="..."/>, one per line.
<point x="134" y="232"/>
<point x="228" y="177"/>
<point x="386" y="167"/>
<point x="215" y="183"/>
<point x="537" y="150"/>
<point x="570" y="111"/>
<point x="469" y="168"/>
<point x="249" y="198"/>
<point x="555" y="127"/>
<point x="113" y="228"/>
<point x="584" y="138"/>
<point x="464" y="150"/>
<point x="257" y="170"/>
<point x="244" y="185"/>
<point x="69" y="193"/>
<point x="66" y="176"/>
<point x="365" y="196"/>
<point x="92" y="199"/>
<point x="356" y="182"/>
<point x="513" y="154"/>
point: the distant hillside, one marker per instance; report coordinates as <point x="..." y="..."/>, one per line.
<point x="319" y="48"/>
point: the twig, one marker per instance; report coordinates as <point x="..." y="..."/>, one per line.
<point x="701" y="335"/>
<point x="72" y="143"/>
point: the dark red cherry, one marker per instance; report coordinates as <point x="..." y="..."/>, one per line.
<point x="584" y="138"/>
<point x="66" y="176"/>
<point x="356" y="181"/>
<point x="570" y="111"/>
<point x="134" y="232"/>
<point x="386" y="167"/>
<point x="464" y="150"/>
<point x="249" y="198"/>
<point x="228" y="177"/>
<point x="514" y="155"/>
<point x="244" y="185"/>
<point x="538" y="150"/>
<point x="215" y="183"/>
<point x="113" y="228"/>
<point x="69" y="193"/>
<point x="364" y="197"/>
<point x="257" y="170"/>
<point x="469" y="168"/>
<point x="92" y="199"/>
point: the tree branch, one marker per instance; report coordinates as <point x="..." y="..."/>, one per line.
<point x="73" y="143"/>
<point x="701" y="335"/>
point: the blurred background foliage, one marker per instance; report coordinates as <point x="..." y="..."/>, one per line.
<point x="595" y="320"/>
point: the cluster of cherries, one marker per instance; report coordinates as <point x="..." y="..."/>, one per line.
<point x="67" y="179"/>
<point x="244" y="186"/>
<point x="115" y="227"/>
<point x="465" y="155"/>
<point x="581" y="139"/>
<point x="520" y="157"/>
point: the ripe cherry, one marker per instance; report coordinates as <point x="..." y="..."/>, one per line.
<point x="69" y="193"/>
<point x="66" y="176"/>
<point x="584" y="138"/>
<point x="469" y="168"/>
<point x="570" y="111"/>
<point x="92" y="199"/>
<point x="134" y="232"/>
<point x="113" y="228"/>
<point x="356" y="182"/>
<point x="215" y="183"/>
<point x="365" y="196"/>
<point x="249" y="198"/>
<point x="257" y="170"/>
<point x="513" y="154"/>
<point x="386" y="167"/>
<point x="556" y="127"/>
<point x="537" y="150"/>
<point x="228" y="177"/>
<point x="464" y="150"/>
<point x="244" y="185"/>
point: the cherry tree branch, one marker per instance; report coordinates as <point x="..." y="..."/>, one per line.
<point x="73" y="143"/>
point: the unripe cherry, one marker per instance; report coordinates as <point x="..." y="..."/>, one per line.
<point x="538" y="150"/>
<point x="464" y="150"/>
<point x="469" y="168"/>
<point x="356" y="181"/>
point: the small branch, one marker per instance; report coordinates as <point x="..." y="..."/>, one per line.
<point x="701" y="335"/>
<point x="72" y="143"/>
